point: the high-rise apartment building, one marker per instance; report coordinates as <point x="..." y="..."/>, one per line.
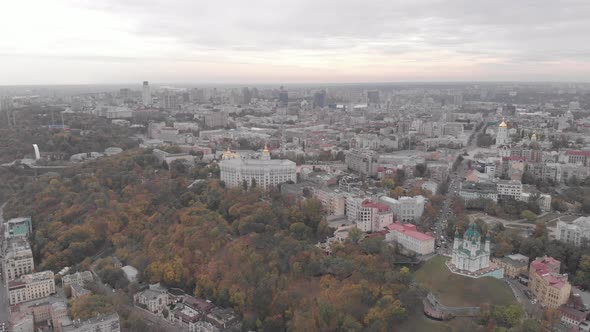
<point x="18" y="259"/>
<point x="146" y="95"/>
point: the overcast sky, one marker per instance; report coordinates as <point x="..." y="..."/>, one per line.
<point x="252" y="41"/>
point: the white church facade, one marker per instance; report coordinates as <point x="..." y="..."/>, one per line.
<point x="471" y="256"/>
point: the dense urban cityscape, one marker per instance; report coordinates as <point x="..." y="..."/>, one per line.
<point x="295" y="166"/>
<point x="410" y="207"/>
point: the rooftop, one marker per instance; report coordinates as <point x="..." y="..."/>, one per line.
<point x="409" y="230"/>
<point x="376" y="205"/>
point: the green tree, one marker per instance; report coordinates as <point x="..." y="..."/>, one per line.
<point x="528" y="215"/>
<point x="508" y="316"/>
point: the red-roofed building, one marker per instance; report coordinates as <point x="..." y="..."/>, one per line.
<point x="570" y="316"/>
<point x="373" y="216"/>
<point x="549" y="286"/>
<point x="577" y="157"/>
<point x="411" y="239"/>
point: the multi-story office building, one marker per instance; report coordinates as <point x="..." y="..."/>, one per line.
<point x="373" y="216"/>
<point x="576" y="232"/>
<point x="333" y="201"/>
<point x="549" y="287"/>
<point x="170" y="100"/>
<point x="215" y="119"/>
<point x="546" y="171"/>
<point x="353" y="204"/>
<point x="31" y="287"/>
<point x="544" y="200"/>
<point x="362" y="161"/>
<point x="454" y="129"/>
<point x="409" y="238"/>
<point x="264" y="172"/>
<point x="406" y="209"/>
<point x="102" y="323"/>
<point x="509" y="189"/>
<point x="18" y="259"/>
<point x="480" y="190"/>
<point x="578" y="157"/>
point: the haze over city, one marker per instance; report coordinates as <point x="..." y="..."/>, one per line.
<point x="285" y="166"/>
<point x="82" y="42"/>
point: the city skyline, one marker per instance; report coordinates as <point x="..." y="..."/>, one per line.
<point x="227" y="42"/>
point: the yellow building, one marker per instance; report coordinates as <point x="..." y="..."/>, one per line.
<point x="514" y="265"/>
<point x="548" y="286"/>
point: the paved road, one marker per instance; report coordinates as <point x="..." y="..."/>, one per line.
<point x="454" y="186"/>
<point x="532" y="310"/>
<point x="4" y="314"/>
<point x="154" y="321"/>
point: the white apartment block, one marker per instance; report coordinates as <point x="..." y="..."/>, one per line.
<point x="31" y="287"/>
<point x="18" y="259"/>
<point x="575" y="232"/>
<point x="362" y="161"/>
<point x="333" y="201"/>
<point x="407" y="209"/>
<point x="509" y="189"/>
<point x="353" y="205"/>
<point x="266" y="173"/>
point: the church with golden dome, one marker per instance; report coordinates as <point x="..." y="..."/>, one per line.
<point x="502" y="137"/>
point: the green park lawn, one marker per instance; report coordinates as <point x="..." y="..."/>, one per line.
<point x="456" y="290"/>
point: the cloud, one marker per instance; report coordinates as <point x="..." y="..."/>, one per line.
<point x="377" y="36"/>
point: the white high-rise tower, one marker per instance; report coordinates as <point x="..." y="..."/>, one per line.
<point x="502" y="136"/>
<point x="146" y="95"/>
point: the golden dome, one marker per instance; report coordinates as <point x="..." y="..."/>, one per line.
<point x="503" y="124"/>
<point x="227" y="154"/>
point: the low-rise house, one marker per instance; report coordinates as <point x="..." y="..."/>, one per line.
<point x="222" y="319"/>
<point x="571" y="317"/>
<point x="130" y="273"/>
<point x="78" y="291"/>
<point x="514" y="265"/>
<point x="78" y="278"/>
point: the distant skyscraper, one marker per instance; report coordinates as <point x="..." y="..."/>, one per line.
<point x="283" y="97"/>
<point x="170" y="100"/>
<point x="373" y="97"/>
<point x="246" y="96"/>
<point x="319" y="99"/>
<point x="146" y="95"/>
